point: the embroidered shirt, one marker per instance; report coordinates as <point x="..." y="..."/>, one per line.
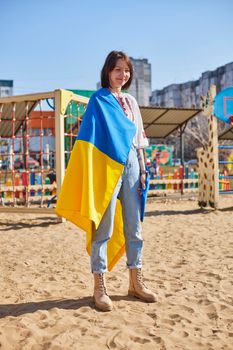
<point x="132" y="111"/>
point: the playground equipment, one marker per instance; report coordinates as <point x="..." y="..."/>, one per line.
<point x="211" y="184"/>
<point x="30" y="179"/>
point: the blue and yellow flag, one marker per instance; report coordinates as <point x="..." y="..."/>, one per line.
<point x="95" y="166"/>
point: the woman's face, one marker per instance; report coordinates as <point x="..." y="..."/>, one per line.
<point x="120" y="74"/>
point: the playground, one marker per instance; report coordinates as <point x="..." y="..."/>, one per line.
<point x="36" y="144"/>
<point x="45" y="285"/>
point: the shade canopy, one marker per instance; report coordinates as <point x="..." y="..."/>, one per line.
<point x="160" y="122"/>
<point x="227" y="134"/>
<point x="18" y="108"/>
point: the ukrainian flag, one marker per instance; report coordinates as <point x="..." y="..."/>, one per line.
<point x="95" y="166"/>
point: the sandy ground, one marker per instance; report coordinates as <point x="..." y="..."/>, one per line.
<point x="46" y="287"/>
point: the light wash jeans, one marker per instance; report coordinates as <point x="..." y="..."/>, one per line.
<point x="127" y="191"/>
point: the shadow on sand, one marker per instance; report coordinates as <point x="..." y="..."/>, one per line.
<point x="37" y="222"/>
<point x="187" y="212"/>
<point x="177" y="212"/>
<point x="65" y="304"/>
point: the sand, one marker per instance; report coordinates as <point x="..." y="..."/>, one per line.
<point x="46" y="287"/>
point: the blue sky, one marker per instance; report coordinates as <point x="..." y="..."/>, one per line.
<point x="49" y="44"/>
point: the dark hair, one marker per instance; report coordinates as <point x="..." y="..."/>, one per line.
<point x="110" y="64"/>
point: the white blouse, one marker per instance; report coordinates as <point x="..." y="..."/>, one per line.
<point x="132" y="111"/>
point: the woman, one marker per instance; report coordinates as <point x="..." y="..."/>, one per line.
<point x="111" y="139"/>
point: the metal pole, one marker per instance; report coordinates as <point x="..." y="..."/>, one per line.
<point x="182" y="158"/>
<point x="182" y="146"/>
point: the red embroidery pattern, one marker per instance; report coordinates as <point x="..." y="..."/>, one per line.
<point x="123" y="102"/>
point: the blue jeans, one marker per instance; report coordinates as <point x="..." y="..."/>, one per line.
<point x="127" y="191"/>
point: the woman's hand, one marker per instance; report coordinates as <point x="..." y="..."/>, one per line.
<point x="143" y="172"/>
<point x="143" y="180"/>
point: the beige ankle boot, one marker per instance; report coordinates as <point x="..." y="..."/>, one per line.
<point x="101" y="298"/>
<point x="138" y="289"/>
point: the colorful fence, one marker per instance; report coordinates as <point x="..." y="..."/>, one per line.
<point x="225" y="178"/>
<point x="183" y="180"/>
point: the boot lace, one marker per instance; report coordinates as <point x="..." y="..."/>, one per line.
<point x="140" y="279"/>
<point x="101" y="285"/>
